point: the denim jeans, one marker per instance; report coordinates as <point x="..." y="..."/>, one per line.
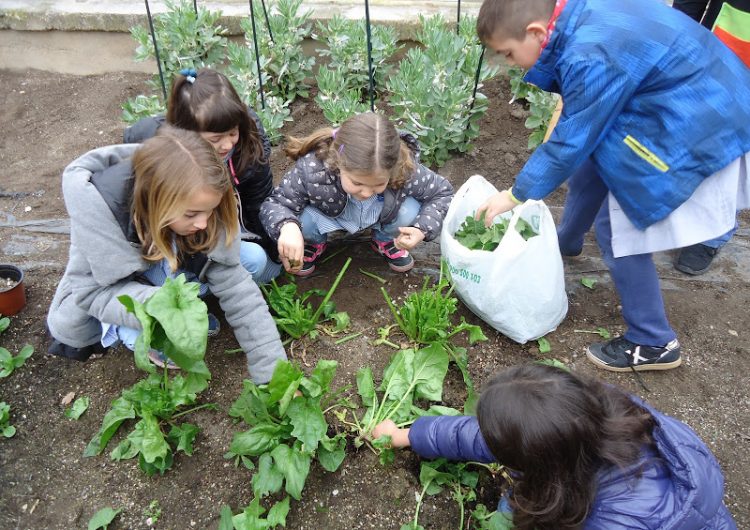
<point x="256" y="262"/>
<point x="404" y="217"/>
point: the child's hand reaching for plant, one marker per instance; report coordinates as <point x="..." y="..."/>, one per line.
<point x="399" y="437"/>
<point x="408" y="238"/>
<point x="499" y="203"/>
<point x="291" y="247"/>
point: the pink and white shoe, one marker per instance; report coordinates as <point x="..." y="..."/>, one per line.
<point x="398" y="260"/>
<point x="312" y="252"/>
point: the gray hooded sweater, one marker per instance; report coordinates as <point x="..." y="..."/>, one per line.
<point x="103" y="264"/>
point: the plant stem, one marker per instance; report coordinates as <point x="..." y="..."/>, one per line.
<point x="205" y="406"/>
<point x="373" y="276"/>
<point x="330" y="292"/>
<point x="419" y="502"/>
<point x="331" y="256"/>
<point x="392" y="308"/>
<point x="348" y="338"/>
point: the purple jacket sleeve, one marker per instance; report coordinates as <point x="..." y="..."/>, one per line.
<point x="451" y="437"/>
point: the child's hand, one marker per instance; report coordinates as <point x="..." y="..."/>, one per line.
<point x="399" y="437"/>
<point x="291" y="247"/>
<point x="408" y="238"/>
<point x="499" y="203"/>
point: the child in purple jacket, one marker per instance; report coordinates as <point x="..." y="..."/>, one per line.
<point x="582" y="454"/>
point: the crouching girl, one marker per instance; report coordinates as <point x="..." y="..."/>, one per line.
<point x="138" y="214"/>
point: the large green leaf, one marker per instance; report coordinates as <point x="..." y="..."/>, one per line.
<point x="332" y="451"/>
<point x="184" y="318"/>
<point x="268" y="479"/>
<point x="294" y="465"/>
<point x="309" y="424"/>
<point x="284" y="384"/>
<point x="154" y="447"/>
<point x="429" y="369"/>
<point x="183" y="436"/>
<point x="103" y="518"/>
<point x="121" y="410"/>
<point x="258" y="440"/>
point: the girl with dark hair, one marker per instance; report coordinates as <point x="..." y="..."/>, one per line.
<point x="205" y="101"/>
<point x="142" y="213"/>
<point x="363" y="174"/>
<point x="583" y="455"/>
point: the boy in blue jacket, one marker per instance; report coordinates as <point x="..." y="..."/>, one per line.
<point x="653" y="141"/>
<point x="582" y="454"/>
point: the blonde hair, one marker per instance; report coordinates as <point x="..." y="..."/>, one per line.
<point x="169" y="168"/>
<point x="364" y="144"/>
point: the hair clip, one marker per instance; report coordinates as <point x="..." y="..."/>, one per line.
<point x="190" y="74"/>
<point x="334" y="132"/>
<point x="341" y="148"/>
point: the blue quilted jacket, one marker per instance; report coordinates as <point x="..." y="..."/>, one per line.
<point x="656" y="101"/>
<point x="680" y="486"/>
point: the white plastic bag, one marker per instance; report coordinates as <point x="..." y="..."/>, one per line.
<point x="519" y="288"/>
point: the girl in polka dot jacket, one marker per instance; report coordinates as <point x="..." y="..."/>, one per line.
<point x="361" y="175"/>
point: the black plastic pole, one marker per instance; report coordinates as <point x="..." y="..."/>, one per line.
<point x="268" y="23"/>
<point x="370" y="71"/>
<point x="458" y="18"/>
<point x="195" y="6"/>
<point x="156" y="51"/>
<point x="476" y="82"/>
<point x="257" y="56"/>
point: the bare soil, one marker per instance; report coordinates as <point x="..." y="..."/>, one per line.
<point x="50" y="119"/>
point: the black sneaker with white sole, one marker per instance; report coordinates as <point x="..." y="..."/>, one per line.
<point x="622" y="355"/>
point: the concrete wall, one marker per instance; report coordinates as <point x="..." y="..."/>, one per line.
<point x="92" y="36"/>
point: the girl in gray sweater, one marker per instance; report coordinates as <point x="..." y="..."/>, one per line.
<point x="166" y="205"/>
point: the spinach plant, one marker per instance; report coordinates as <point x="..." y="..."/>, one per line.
<point x="295" y="314"/>
<point x="252" y="517"/>
<point x="425" y="317"/>
<point x="5" y="427"/>
<point x="410" y="376"/>
<point x="186" y="39"/>
<point x="440" y="474"/>
<point x="288" y="429"/>
<point x="541" y="105"/>
<point x="175" y="322"/>
<point x="474" y="235"/>
<point x="432" y="92"/>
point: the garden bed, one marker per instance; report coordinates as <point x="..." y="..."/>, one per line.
<point x="50" y="119"/>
